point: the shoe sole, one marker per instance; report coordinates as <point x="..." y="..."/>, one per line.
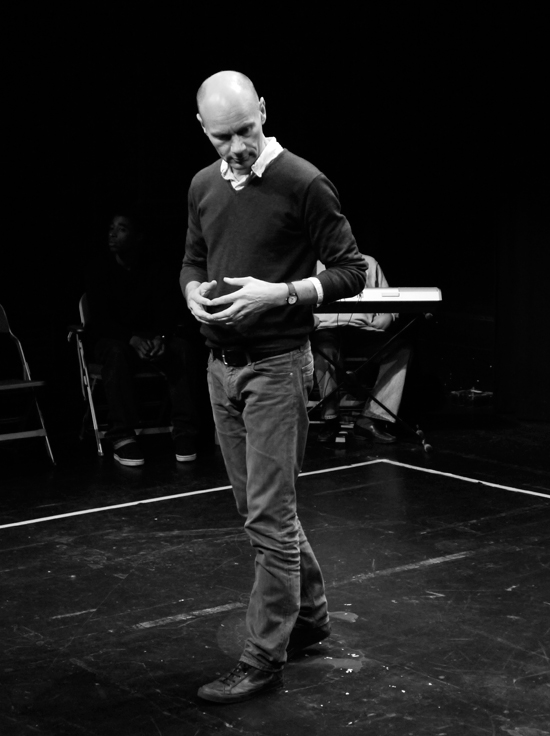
<point x="186" y="458"/>
<point x="128" y="463"/>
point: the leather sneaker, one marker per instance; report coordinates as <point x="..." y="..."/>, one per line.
<point x="186" y="450"/>
<point x="242" y="683"/>
<point x="302" y="637"/>
<point x="372" y="430"/>
<point x="128" y="453"/>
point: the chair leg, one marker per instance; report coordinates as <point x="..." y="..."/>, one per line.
<point x="46" y="438"/>
<point x="49" y="449"/>
<point x="85" y="376"/>
<point x="94" y="419"/>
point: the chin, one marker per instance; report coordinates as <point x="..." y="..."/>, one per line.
<point x="244" y="164"/>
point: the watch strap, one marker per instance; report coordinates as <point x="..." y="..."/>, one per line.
<point x="292" y="297"/>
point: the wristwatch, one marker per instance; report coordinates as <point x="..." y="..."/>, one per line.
<point x="292" y="297"/>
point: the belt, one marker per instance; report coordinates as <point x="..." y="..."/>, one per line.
<point x="237" y="358"/>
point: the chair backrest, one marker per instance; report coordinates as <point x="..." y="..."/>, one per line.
<point x="5" y="330"/>
<point x="84" y="309"/>
<point x="4" y="324"/>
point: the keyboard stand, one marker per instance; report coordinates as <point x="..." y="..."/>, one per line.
<point x="348" y="380"/>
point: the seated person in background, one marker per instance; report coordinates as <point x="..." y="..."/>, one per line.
<point x="136" y="316"/>
<point x="338" y="335"/>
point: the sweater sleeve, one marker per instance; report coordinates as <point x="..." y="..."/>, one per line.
<point x="333" y="242"/>
<point x="194" y="267"/>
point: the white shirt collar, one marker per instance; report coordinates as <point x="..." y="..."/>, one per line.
<point x="270" y="152"/>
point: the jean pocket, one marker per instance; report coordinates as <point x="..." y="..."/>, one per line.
<point x="307" y="374"/>
<point x="278" y="365"/>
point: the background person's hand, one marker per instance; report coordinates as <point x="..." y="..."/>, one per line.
<point x="142" y="346"/>
<point x="158" y="348"/>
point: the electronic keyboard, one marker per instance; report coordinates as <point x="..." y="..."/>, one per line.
<point x="389" y="299"/>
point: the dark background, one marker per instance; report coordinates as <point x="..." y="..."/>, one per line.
<point x="432" y="128"/>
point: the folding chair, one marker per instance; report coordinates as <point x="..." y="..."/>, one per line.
<point x="90" y="379"/>
<point x="17" y="412"/>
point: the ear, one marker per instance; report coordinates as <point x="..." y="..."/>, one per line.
<point x="200" y="121"/>
<point x="263" y="114"/>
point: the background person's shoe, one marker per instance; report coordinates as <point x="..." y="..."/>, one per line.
<point x="128" y="453"/>
<point x="242" y="683"/>
<point x="304" y="636"/>
<point x="329" y="430"/>
<point x="186" y="450"/>
<point x="372" y="429"/>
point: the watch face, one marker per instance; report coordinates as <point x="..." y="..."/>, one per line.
<point x="292" y="299"/>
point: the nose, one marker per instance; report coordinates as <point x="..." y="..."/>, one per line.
<point x="237" y="145"/>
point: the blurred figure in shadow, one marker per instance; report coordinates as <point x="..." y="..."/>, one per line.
<point x="337" y="336"/>
<point x="138" y="320"/>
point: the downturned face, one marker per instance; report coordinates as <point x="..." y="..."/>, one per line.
<point x="234" y="127"/>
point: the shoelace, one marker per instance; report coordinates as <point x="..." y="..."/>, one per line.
<point x="235" y="674"/>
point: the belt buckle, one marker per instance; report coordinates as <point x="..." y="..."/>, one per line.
<point x="234" y="358"/>
<point x="226" y="358"/>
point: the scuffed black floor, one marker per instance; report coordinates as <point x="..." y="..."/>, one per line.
<point x="437" y="570"/>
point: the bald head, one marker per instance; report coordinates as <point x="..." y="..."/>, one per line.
<point x="232" y="116"/>
<point x="224" y="88"/>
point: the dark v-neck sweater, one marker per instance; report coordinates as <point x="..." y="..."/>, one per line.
<point x="275" y="229"/>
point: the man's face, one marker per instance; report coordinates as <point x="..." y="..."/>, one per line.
<point x="236" y="132"/>
<point x="122" y="235"/>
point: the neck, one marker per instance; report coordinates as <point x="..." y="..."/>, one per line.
<point x="126" y="260"/>
<point x="239" y="175"/>
<point x="263" y="144"/>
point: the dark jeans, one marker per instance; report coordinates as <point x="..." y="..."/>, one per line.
<point x="260" y="411"/>
<point x="184" y="365"/>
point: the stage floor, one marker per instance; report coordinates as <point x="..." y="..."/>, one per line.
<point x="125" y="589"/>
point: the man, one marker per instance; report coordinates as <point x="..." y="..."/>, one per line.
<point x="258" y="222"/>
<point x="338" y="335"/>
<point x="133" y="304"/>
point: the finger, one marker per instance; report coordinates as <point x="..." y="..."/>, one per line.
<point x="202" y="300"/>
<point x="205" y="288"/>
<point x="224" y="315"/>
<point x="225" y="299"/>
<point x="204" y="321"/>
<point x="201" y="315"/>
<point x="239" y="281"/>
<point x="198" y="307"/>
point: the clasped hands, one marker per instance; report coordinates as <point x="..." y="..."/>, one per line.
<point x="244" y="305"/>
<point x="148" y="349"/>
